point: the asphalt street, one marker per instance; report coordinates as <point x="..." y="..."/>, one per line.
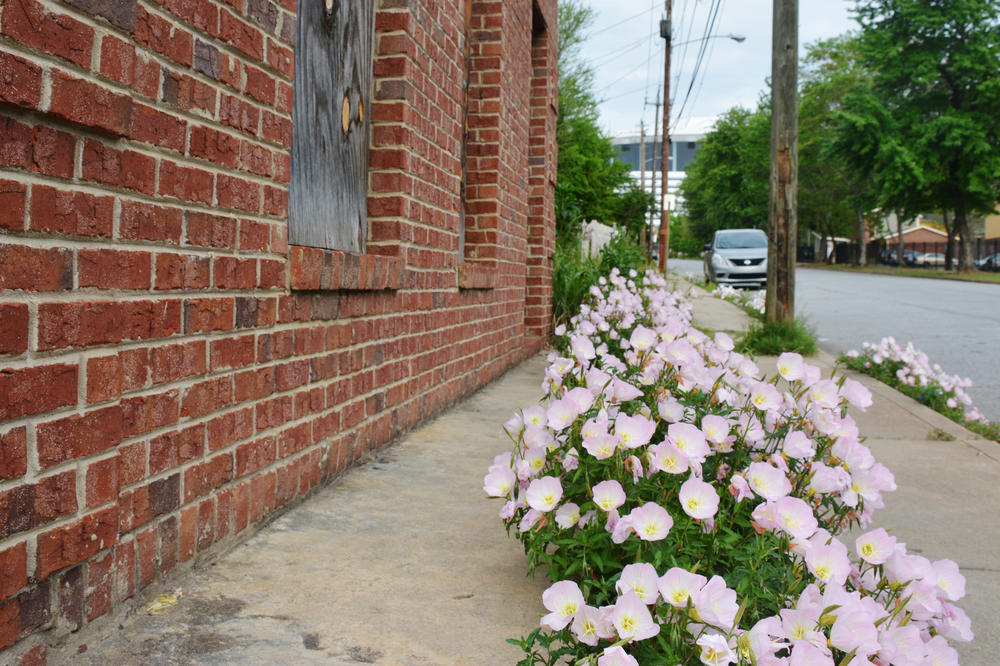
<point x="957" y="324"/>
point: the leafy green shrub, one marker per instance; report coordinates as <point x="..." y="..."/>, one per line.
<point x="770" y="338"/>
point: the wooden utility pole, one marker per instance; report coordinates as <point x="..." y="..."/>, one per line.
<point x="642" y="181"/>
<point x="665" y="31"/>
<point x="656" y="139"/>
<point x="783" y="217"/>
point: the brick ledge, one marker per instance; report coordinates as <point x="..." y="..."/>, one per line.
<point x="477" y="275"/>
<point x="314" y="268"/>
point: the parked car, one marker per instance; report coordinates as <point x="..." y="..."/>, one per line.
<point x="932" y="259"/>
<point x="737" y="257"/>
<point x="910" y="257"/>
<point x="990" y="262"/>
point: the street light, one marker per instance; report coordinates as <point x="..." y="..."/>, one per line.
<point x="735" y="38"/>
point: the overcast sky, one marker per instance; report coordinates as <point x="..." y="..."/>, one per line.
<point x="627" y="52"/>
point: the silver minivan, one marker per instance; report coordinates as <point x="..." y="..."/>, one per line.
<point x="737" y="257"/>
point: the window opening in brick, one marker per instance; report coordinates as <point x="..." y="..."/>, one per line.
<point x="334" y="53"/>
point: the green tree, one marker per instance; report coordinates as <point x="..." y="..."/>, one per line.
<point x="832" y="200"/>
<point x="591" y="184"/>
<point x="726" y="185"/>
<point x="926" y="128"/>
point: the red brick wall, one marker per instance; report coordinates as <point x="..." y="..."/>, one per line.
<point x="171" y="371"/>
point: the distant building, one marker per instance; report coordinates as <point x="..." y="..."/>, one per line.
<point x="685" y="139"/>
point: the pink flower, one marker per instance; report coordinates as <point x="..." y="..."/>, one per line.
<point x="798" y="445"/>
<point x="544" y="493"/>
<point x="690" y="440"/>
<point x="670" y="410"/>
<point x="791" y="366"/>
<point x="608" y="494"/>
<point x="856" y="393"/>
<point x="640" y="578"/>
<point x="601" y="447"/>
<point x="765" y="397"/>
<point x="948" y="579"/>
<point x="715" y="650"/>
<point x="634" y="431"/>
<point x="534" y="415"/>
<point x="854" y="629"/>
<point x="666" y="457"/>
<point x="580" y="398"/>
<point x="795" y="517"/>
<point x="560" y="414"/>
<point x="642" y="338"/>
<point x="651" y="522"/>
<point x="875" y="547"/>
<point x="716" y="428"/>
<point x="616" y="656"/>
<point x="529" y="520"/>
<point x="716" y="604"/>
<point x="768" y="481"/>
<point x="564" y="599"/>
<point x="678" y="585"/>
<point x="632" y="619"/>
<point x="824" y="393"/>
<point x="623" y="391"/>
<point x="829" y="563"/>
<point x="567" y="515"/>
<point x="590" y="625"/>
<point x="807" y="654"/>
<point x="583" y="348"/>
<point x="499" y="481"/>
<point x="698" y="499"/>
<point x="739" y="488"/>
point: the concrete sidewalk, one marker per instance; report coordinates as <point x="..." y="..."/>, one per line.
<point x="403" y="561"/>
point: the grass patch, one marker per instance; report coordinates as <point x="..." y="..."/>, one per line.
<point x="765" y="338"/>
<point x="939" y="435"/>
<point x="908" y="271"/>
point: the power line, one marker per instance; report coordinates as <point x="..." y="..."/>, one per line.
<point x="703" y="49"/>
<point x="615" y="25"/>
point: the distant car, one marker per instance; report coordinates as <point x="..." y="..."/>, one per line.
<point x="737" y="257"/>
<point x="989" y="263"/>
<point x="932" y="259"/>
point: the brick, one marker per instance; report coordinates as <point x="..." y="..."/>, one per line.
<point x="167" y="533"/>
<point x="228" y="428"/>
<point x="260" y="85"/>
<point x="254" y="456"/>
<point x="114" y="269"/>
<point x="240" y="115"/>
<point x="202" y="14"/>
<point x="121" y="62"/>
<point x="98" y="591"/>
<point x="281" y="58"/>
<point x="90" y="104"/>
<point x="79" y="435"/>
<point x="13" y="453"/>
<point x="28" y="22"/>
<point x="13" y="328"/>
<point x="207" y="59"/>
<point x="142" y="221"/>
<point x="164" y="38"/>
<point x="21" y="81"/>
<point x="102" y="482"/>
<point x="256" y="159"/>
<point x="67" y="212"/>
<point x="238" y="193"/>
<point x="203" y="478"/>
<point x="83" y="324"/>
<point x="264" y="12"/>
<point x="208" y="314"/>
<point x="175" y="448"/>
<point x="37" y="389"/>
<point x="242" y="35"/>
<point x="13" y="197"/>
<point x="186" y="183"/>
<point x="234" y="273"/>
<point x="119" y="12"/>
<point x="284" y="97"/>
<point x="14" y="564"/>
<point x="188" y="93"/>
<point x="119" y="168"/>
<point x="70" y="589"/>
<point x="276" y="129"/>
<point x="229" y="353"/>
<point x="131" y="463"/>
<point x="181" y="271"/>
<point x="276" y="201"/>
<point x="172" y="362"/>
<point x="52" y="152"/>
<point x="254" y="384"/>
<point x="206" y="397"/>
<point x="272" y="274"/>
<point x="215" y="146"/>
<point x="149" y="412"/>
<point x="274" y="412"/>
<point x="255" y="312"/>
<point x="74" y="543"/>
<point x="35" y="269"/>
<point x="145" y="552"/>
<point x="206" y="524"/>
<point x="123" y="582"/>
<point x="210" y="230"/>
<point x="188" y="533"/>
<point x="156" y="127"/>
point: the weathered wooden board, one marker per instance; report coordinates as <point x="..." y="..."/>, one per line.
<point x="330" y="121"/>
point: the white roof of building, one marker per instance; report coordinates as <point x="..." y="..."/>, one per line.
<point x="687" y="129"/>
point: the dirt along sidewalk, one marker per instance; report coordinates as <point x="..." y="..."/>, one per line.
<point x="402" y="560"/>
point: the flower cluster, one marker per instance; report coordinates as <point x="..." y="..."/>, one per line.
<point x="908" y="368"/>
<point x="660" y="446"/>
<point x="748" y="300"/>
